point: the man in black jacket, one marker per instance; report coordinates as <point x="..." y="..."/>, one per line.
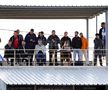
<point x="65" y="45"/>
<point x="53" y="41"/>
<point x="76" y="45"/>
<point x="97" y="49"/>
<point x="102" y="35"/>
<point x="9" y="52"/>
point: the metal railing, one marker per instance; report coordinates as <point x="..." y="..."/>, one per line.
<point x="53" y="57"/>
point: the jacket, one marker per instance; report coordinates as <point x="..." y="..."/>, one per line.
<point x="100" y="33"/>
<point x="43" y="38"/>
<point x="53" y="45"/>
<point x="76" y="43"/>
<point x="84" y="43"/>
<point x="98" y="46"/>
<point x="39" y="48"/>
<point x="19" y="40"/>
<point x="97" y="43"/>
<point x="65" y="39"/>
<point x="9" y="52"/>
<point x="31" y="41"/>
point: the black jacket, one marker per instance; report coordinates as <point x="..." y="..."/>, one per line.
<point x="100" y="33"/>
<point x="65" y="39"/>
<point x="53" y="45"/>
<point x="76" y="43"/>
<point x="97" y="43"/>
<point x="9" y="52"/>
<point x="98" y="46"/>
<point x="43" y="38"/>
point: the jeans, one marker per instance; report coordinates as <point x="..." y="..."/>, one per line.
<point x="85" y="53"/>
<point x="75" y="52"/>
<point x="41" y="58"/>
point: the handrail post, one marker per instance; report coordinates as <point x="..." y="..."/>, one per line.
<point x="14" y="57"/>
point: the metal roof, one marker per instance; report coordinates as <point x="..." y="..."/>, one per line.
<point x="50" y="12"/>
<point x="63" y="75"/>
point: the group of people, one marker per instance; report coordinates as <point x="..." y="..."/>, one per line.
<point x="100" y="44"/>
<point x="33" y="48"/>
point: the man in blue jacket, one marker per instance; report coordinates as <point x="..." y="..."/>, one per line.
<point x="31" y="41"/>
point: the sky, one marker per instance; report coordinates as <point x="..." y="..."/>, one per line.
<point x="54" y="2"/>
<point x="7" y="26"/>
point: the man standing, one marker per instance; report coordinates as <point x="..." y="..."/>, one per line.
<point x="16" y="42"/>
<point x="97" y="49"/>
<point x="102" y="36"/>
<point x="20" y="36"/>
<point x="66" y="48"/>
<point x="84" y="48"/>
<point x="76" y="45"/>
<point x="31" y="41"/>
<point x="53" y="41"/>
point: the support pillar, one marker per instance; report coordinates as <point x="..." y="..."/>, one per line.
<point x="96" y="24"/>
<point x="87" y="33"/>
<point x="106" y="28"/>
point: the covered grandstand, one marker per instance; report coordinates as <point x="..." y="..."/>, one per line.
<point x="54" y="78"/>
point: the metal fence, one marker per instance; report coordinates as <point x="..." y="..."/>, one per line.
<point x="60" y="57"/>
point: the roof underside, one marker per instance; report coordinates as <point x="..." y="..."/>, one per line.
<point x="54" y="75"/>
<point x="50" y="12"/>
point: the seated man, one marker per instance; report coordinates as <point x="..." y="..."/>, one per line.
<point x="9" y="53"/>
<point x="40" y="53"/>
